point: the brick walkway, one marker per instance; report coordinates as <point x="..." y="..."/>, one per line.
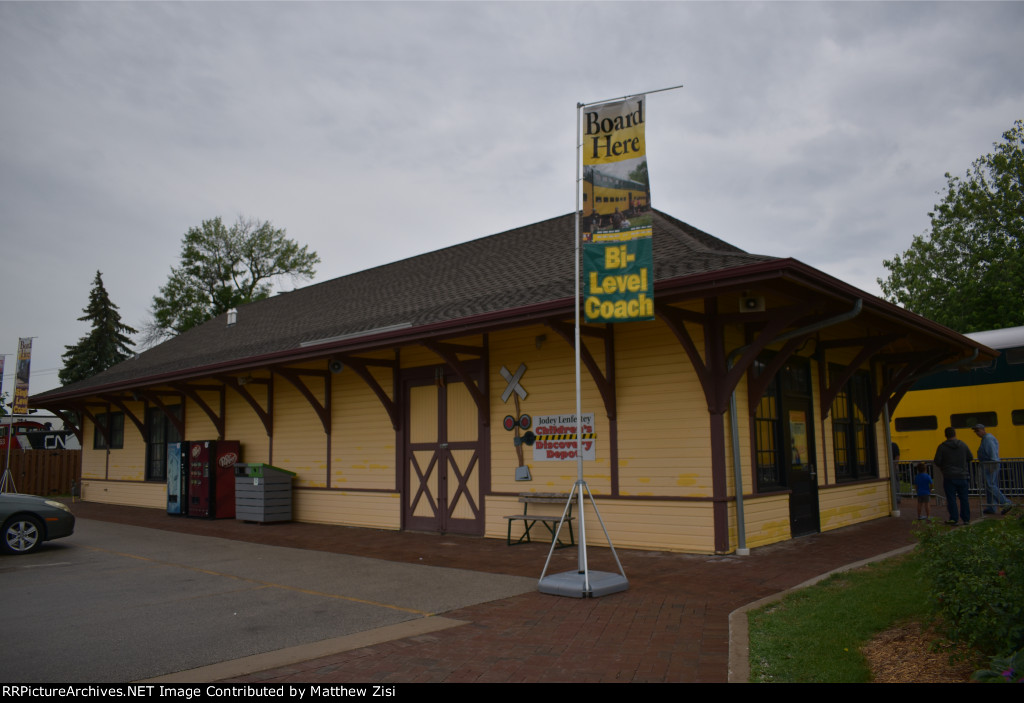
<point x="670" y="626"/>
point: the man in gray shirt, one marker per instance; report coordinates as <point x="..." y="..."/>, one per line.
<point x="988" y="455"/>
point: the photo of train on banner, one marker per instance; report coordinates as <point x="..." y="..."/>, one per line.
<point x="991" y="394"/>
<point x="604" y="194"/>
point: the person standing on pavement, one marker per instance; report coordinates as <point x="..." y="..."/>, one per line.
<point x="988" y="455"/>
<point x="954" y="458"/>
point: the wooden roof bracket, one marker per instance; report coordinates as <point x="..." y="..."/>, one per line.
<point x="904" y="379"/>
<point x="265" y="416"/>
<point x="450" y="352"/>
<point x="193" y="395"/>
<point x="359" y="365"/>
<point x="830" y="387"/>
<point x="605" y="381"/>
<point x="294" y="377"/>
<point x="154" y="398"/>
<point x="69" y="422"/>
<point x="139" y="425"/>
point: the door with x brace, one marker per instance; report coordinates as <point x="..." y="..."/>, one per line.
<point x="443" y="471"/>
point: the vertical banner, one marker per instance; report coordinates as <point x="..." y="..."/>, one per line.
<point x="618" y="263"/>
<point x="21" y="376"/>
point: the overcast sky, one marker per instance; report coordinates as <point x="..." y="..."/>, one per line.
<point x="376" y="131"/>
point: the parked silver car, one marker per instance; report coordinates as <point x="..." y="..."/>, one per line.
<point x="28" y="521"/>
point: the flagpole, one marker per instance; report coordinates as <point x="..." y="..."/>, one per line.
<point x="610" y="100"/>
<point x="583" y="583"/>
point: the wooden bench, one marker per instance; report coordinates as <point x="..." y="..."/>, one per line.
<point x="549" y="521"/>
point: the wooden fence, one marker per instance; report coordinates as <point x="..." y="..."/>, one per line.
<point x="44" y="472"/>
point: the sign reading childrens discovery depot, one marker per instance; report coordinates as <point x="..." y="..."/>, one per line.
<point x="618" y="268"/>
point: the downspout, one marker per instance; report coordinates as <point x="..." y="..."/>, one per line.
<point x="895" y="487"/>
<point x="741" y="528"/>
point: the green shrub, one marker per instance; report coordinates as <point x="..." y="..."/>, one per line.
<point x="977" y="581"/>
<point x="1004" y="670"/>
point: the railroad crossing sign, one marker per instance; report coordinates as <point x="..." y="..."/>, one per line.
<point x="513" y="383"/>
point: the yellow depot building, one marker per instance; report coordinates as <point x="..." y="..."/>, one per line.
<point x="389" y="392"/>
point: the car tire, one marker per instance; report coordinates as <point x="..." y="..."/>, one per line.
<point x="22" y="534"/>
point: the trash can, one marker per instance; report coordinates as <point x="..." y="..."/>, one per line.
<point x="263" y="493"/>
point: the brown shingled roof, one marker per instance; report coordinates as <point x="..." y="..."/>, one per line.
<point x="505" y="272"/>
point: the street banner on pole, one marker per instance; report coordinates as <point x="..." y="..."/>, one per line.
<point x="21" y="376"/>
<point x="618" y="263"/>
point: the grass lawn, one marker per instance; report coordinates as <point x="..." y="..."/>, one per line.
<point x="815" y="635"/>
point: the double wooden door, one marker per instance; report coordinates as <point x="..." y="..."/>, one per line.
<point x="444" y="474"/>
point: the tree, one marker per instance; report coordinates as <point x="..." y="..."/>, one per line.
<point x="968" y="272"/>
<point x="107" y="344"/>
<point x="223" y="267"/>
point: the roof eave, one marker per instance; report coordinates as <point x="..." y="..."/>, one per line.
<point x="695" y="285"/>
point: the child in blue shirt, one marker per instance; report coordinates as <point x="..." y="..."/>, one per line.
<point x="923" y="482"/>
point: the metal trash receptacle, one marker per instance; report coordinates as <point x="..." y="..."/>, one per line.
<point x="263" y="493"/>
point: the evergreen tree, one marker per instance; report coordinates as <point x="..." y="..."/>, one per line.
<point x="104" y="346"/>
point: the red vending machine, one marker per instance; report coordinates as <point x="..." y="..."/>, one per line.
<point x="211" y="478"/>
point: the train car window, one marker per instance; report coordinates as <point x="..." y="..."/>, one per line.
<point x="917" y="424"/>
<point x="1015" y="355"/>
<point x="1017" y="417"/>
<point x="962" y="421"/>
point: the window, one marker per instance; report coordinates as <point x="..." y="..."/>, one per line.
<point x="917" y="424"/>
<point x="963" y="421"/>
<point x="766" y="429"/>
<point x="852" y="438"/>
<point x="161" y="432"/>
<point x="115" y="427"/>
<point x="774" y="442"/>
<point x="1017" y="417"/>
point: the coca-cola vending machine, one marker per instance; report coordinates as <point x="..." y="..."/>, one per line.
<point x="211" y="472"/>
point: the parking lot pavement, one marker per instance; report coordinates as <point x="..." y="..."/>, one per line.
<point x="672" y="625"/>
<point x="117" y="603"/>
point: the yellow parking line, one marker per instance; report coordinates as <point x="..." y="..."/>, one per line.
<point x="265" y="583"/>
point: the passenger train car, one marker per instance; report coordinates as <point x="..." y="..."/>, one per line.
<point x="991" y="394"/>
<point x="605" y="194"/>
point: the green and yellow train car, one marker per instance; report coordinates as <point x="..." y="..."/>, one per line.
<point x="991" y="394"/>
<point x="606" y="194"/>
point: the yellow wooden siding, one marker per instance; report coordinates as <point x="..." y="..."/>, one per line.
<point x="551" y="386"/>
<point x="362" y="438"/>
<point x="681" y="526"/>
<point x="144" y="494"/>
<point x="766" y="520"/>
<point x="241" y="423"/>
<point x="129" y="462"/>
<point x="664" y="444"/>
<point x="377" y="510"/>
<point x="849" y="504"/>
<point x="300" y="444"/>
<point x="94" y="461"/>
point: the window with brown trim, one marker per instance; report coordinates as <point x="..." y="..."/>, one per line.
<point x="852" y="438"/>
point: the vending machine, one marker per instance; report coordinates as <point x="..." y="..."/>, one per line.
<point x="211" y="478"/>
<point x="177" y="479"/>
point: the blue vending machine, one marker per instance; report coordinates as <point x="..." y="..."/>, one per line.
<point x="177" y="480"/>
